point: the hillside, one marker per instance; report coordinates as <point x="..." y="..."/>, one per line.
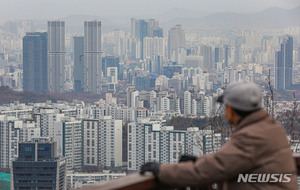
<point x="8" y="96"/>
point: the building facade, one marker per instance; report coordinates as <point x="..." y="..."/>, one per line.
<point x="78" y="64"/>
<point x="284" y="64"/>
<point x="176" y="40"/>
<point x="35" y="62"/>
<point x="9" y="138"/>
<point x="56" y="56"/>
<point x="92" y="57"/>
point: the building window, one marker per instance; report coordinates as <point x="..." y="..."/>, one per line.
<point x="174" y="155"/>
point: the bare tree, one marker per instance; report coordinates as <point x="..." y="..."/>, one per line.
<point x="285" y="118"/>
<point x="294" y="109"/>
<point x="218" y="124"/>
<point x="270" y="105"/>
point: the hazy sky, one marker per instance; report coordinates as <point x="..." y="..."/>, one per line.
<point x="54" y="9"/>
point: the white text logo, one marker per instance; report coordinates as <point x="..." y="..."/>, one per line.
<point x="264" y="178"/>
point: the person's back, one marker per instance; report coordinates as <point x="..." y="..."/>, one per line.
<point x="274" y="166"/>
<point x="257" y="156"/>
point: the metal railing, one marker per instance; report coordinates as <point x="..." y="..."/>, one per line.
<point x="140" y="182"/>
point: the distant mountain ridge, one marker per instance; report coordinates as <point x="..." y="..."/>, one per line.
<point x="273" y="17"/>
<point x="270" y="18"/>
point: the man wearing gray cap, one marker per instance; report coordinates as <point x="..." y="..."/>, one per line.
<point x="257" y="156"/>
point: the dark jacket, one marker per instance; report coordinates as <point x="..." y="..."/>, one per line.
<point x="258" y="146"/>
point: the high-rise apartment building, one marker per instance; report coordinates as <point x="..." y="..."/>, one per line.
<point x="90" y="145"/>
<point x="152" y="141"/>
<point x="92" y="57"/>
<point x="206" y="52"/>
<point x="45" y="119"/>
<point x="284" y="64"/>
<point x="141" y="28"/>
<point x="110" y="142"/>
<point x="9" y="138"/>
<point x="176" y="40"/>
<point x="35" y="62"/>
<point x="38" y="167"/>
<point x="56" y="56"/>
<point x="78" y="64"/>
<point x="140" y="31"/>
<point x="68" y="135"/>
<point x="102" y="143"/>
<point x="153" y="46"/>
<point x="188" y="97"/>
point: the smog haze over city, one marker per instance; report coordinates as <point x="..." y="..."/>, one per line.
<point x="56" y="9"/>
<point x="98" y="88"/>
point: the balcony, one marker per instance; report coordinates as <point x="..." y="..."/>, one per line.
<point x="139" y="182"/>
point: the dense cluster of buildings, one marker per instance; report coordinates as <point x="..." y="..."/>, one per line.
<point x="56" y="62"/>
<point x="90" y="138"/>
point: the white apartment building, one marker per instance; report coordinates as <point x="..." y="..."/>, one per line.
<point x="102" y="143"/>
<point x="187" y="98"/>
<point x="29" y="131"/>
<point x="202" y="142"/>
<point x="91" y="143"/>
<point x="110" y="142"/>
<point x="154" y="46"/>
<point x="166" y="102"/>
<point x="172" y="143"/>
<point x="208" y="106"/>
<point x="9" y="139"/>
<point x="152" y="141"/>
<point x="45" y="120"/>
<point x="68" y="135"/>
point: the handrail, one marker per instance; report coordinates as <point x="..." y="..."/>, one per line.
<point x="133" y="181"/>
<point x="140" y="182"/>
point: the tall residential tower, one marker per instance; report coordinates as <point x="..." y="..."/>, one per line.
<point x="92" y="57"/>
<point x="284" y="64"/>
<point x="56" y="56"/>
<point x="176" y="40"/>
